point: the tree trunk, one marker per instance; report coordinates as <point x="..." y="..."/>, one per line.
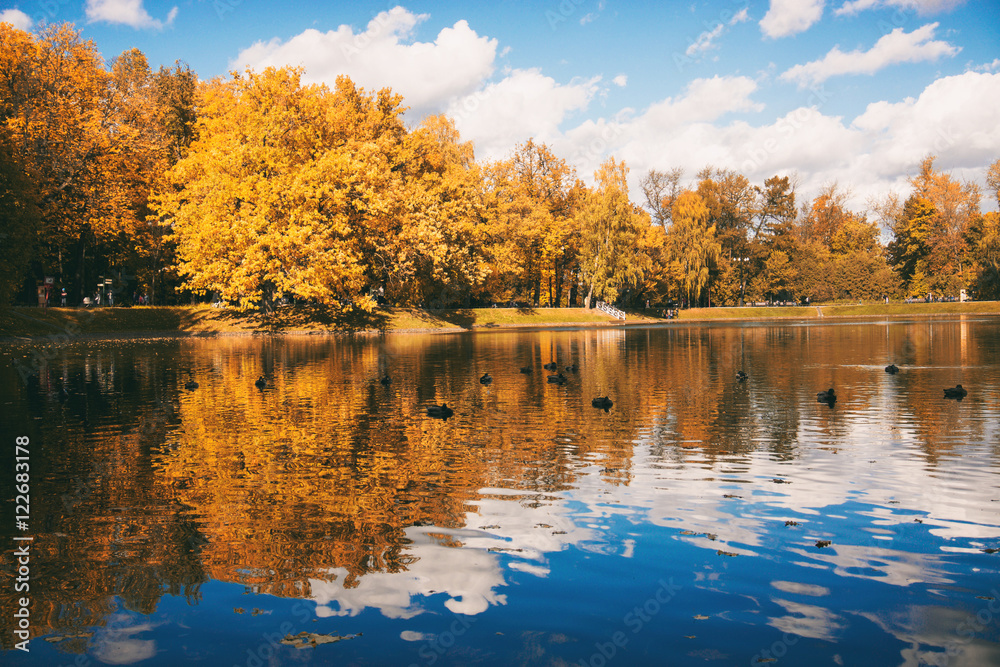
<point x="82" y="272"/>
<point x="586" y="300"/>
<point x="559" y="285"/>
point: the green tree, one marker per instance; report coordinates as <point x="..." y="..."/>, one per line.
<point x="911" y="239"/>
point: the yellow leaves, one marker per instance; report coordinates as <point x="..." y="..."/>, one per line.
<point x="692" y="241"/>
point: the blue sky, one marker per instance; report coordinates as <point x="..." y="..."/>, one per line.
<point x="848" y="91"/>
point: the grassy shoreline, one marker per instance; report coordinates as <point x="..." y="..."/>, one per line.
<point x="19" y="323"/>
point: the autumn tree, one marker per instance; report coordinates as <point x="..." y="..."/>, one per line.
<point x="912" y="231"/>
<point x="264" y="201"/>
<point x="985" y="242"/>
<point x="611" y="228"/>
<point x="993" y="180"/>
<point x="660" y="190"/>
<point x="19" y="220"/>
<point x="931" y="232"/>
<point x="439" y="258"/>
<point x="55" y="109"/>
<point x="778" y="276"/>
<point x="529" y="204"/>
<point x="693" y="243"/>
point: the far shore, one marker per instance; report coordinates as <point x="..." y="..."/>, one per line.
<point x="50" y="324"/>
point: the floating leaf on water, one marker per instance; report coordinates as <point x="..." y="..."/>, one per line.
<point x="81" y="635"/>
<point x="990" y="550"/>
<point x="720" y="552"/>
<point x="731" y="495"/>
<point x="780" y="481"/>
<point x="312" y="639"/>
<point x="985" y="597"/>
<point x="791" y="523"/>
<point x="823" y="543"/>
<point x="688" y="532"/>
<point x="699" y="617"/>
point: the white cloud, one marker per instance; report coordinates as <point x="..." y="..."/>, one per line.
<point x="922" y="7"/>
<point x="788" y="17"/>
<point x="427" y="74"/>
<point x="896" y="47"/>
<point x="987" y="67"/>
<point x="675" y="129"/>
<point x="705" y="40"/>
<point x="524" y="104"/>
<point x="621" y="80"/>
<point x="16" y="18"/>
<point x="953" y="118"/>
<point x="125" y="12"/>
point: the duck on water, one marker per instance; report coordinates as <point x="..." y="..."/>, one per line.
<point x="440" y="411"/>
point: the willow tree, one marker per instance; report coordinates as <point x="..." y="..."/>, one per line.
<point x="693" y="243"/>
<point x="611" y="230"/>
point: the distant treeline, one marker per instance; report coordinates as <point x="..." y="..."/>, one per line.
<point x="255" y="189"/>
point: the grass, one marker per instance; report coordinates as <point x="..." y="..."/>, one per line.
<point x="748" y="313"/>
<point x="937" y="308"/>
<point x="207" y="320"/>
<point x="42" y="322"/>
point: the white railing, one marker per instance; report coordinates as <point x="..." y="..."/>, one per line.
<point x="610" y="310"/>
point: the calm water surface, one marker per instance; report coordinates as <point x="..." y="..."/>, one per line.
<point x="698" y="521"/>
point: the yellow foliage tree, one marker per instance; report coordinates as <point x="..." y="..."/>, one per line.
<point x="693" y="243"/>
<point x="54" y="101"/>
<point x="611" y="228"/>
<point x="439" y="259"/>
<point x="528" y="204"/>
<point x="271" y="195"/>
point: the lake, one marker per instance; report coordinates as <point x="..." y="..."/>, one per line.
<point x="328" y="519"/>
